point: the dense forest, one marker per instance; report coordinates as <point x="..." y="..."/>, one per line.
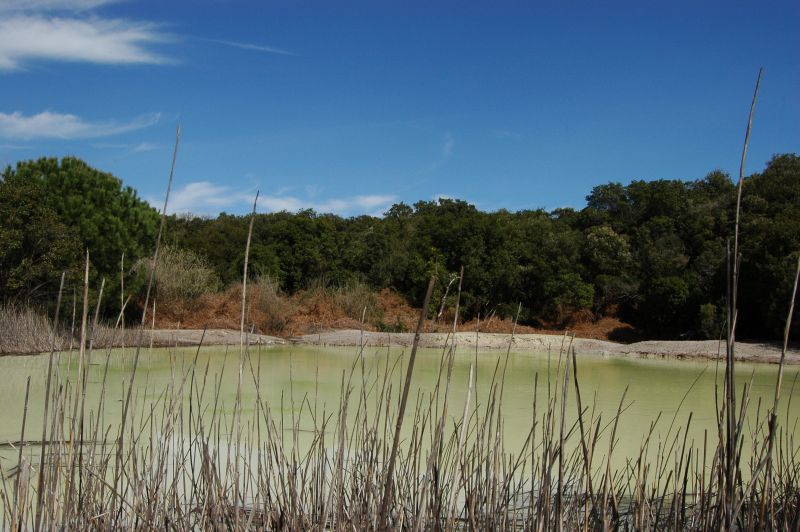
<point x="652" y="253"/>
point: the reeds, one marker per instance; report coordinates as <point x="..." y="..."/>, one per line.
<point x="26" y="331"/>
<point x="385" y="459"/>
<point x="187" y="463"/>
<point x="183" y="462"/>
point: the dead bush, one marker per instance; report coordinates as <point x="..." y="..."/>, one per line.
<point x="181" y="275"/>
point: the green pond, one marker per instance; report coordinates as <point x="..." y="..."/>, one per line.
<point x="297" y="380"/>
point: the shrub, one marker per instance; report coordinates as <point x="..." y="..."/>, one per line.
<point x="270" y="309"/>
<point x="353" y="297"/>
<point x="181" y="275"/>
<point x="348" y="298"/>
<point x="568" y="292"/>
<point x="709" y="323"/>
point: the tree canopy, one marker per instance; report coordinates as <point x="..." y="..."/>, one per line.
<point x="650" y="252"/>
<point x="67" y="202"/>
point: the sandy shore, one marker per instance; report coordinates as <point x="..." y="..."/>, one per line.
<point x="157" y="338"/>
<point x="709" y="349"/>
<point x="213" y="337"/>
<point x="692" y="350"/>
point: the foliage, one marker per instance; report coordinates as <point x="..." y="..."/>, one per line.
<point x="568" y="293"/>
<point x="35" y="246"/>
<point x="107" y="218"/>
<point x="770" y="245"/>
<point x="650" y="252"/>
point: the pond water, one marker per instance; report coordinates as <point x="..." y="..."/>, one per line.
<point x="288" y="375"/>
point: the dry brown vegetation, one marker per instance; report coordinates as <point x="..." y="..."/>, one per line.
<point x="318" y="309"/>
<point x="23" y="330"/>
<point x="269" y="311"/>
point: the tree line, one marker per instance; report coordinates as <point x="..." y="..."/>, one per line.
<point x="652" y="253"/>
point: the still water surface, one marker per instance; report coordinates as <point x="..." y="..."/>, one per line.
<point x="287" y="375"/>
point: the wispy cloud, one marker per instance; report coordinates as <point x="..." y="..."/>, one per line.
<point x="29" y="37"/>
<point x="255" y="47"/>
<point x="283" y="190"/>
<point x="111" y="146"/>
<point x="351" y="205"/>
<point x="205" y="197"/>
<point x="201" y="197"/>
<point x="145" y="146"/>
<point x="52" y="5"/>
<point x="505" y="134"/>
<point x="66" y="126"/>
<point x="141" y="147"/>
<point x="448" y="144"/>
<point x="15" y="147"/>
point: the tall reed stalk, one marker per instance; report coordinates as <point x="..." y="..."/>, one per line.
<point x="330" y="470"/>
<point x="180" y="458"/>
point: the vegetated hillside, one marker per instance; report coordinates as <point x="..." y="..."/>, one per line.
<point x="651" y="254"/>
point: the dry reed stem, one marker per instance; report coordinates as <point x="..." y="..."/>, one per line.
<point x="387" y="488"/>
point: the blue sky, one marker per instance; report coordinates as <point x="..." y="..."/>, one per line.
<point x="352" y="107"/>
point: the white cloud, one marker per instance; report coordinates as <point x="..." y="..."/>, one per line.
<point x="371" y="202"/>
<point x="283" y="190"/>
<point x="30" y="37"/>
<point x="280" y="203"/>
<point x="52" y="5"/>
<point x="345" y="206"/>
<point x="204" y="197"/>
<point x="15" y="147"/>
<point x="111" y="146"/>
<point x="66" y="126"/>
<point x="255" y="47"/>
<point x="312" y="191"/>
<point x="131" y="147"/>
<point x="201" y="197"/>
<point x="145" y="146"/>
<point x="448" y="145"/>
<point x="446" y="151"/>
<point x="505" y="134"/>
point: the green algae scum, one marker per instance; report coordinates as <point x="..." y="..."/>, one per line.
<point x="301" y="437"/>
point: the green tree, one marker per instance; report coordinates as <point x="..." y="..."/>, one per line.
<point x="35" y="247"/>
<point x="109" y="219"/>
<point x="568" y="293"/>
<point x="770" y="243"/>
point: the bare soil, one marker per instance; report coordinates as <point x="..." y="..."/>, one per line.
<point x="319" y="318"/>
<point x="691" y="350"/>
<point x="465" y="340"/>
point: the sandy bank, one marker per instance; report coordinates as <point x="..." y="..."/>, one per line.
<point x="709" y="349"/>
<point x="157" y="338"/>
<point x="213" y="337"/>
<point x="692" y="350"/>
